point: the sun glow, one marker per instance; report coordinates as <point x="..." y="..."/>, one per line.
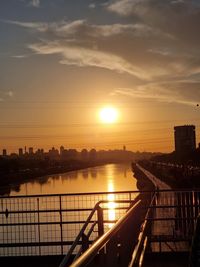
<point x="108" y="115"/>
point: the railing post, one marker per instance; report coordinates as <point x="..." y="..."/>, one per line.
<point x="100" y="221"/>
<point x="100" y="228"/>
<point x="38" y="213"/>
<point x="61" y="230"/>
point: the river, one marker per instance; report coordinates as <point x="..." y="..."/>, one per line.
<point x="55" y="218"/>
<point x="106" y="178"/>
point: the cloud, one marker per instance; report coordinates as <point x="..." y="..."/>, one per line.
<point x="9" y="93"/>
<point x="34" y="3"/>
<point x="157" y="44"/>
<point x="106" y="39"/>
<point x="68" y="28"/>
<point x="20" y="56"/>
<point x="5" y="95"/>
<point x="92" y="6"/>
<point x="122" y="7"/>
<point x="85" y="57"/>
<point x="184" y="92"/>
<point x="177" y="18"/>
<point x="38" y="26"/>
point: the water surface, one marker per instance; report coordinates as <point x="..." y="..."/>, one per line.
<point x="108" y="178"/>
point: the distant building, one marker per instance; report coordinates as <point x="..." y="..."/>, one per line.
<point x="30" y="150"/>
<point x="4" y="152"/>
<point x="185" y="139"/>
<point x="62" y="149"/>
<point x="53" y="153"/>
<point x="84" y="154"/>
<point x="20" y="152"/>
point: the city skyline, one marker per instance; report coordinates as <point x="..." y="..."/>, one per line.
<point x="61" y="62"/>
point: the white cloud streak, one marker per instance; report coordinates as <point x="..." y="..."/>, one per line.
<point x="34" y="3"/>
<point x="5" y="95"/>
<point x="174" y="92"/>
<point x="81" y="57"/>
<point x="67" y="28"/>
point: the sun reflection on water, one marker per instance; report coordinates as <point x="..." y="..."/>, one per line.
<point x="111" y="203"/>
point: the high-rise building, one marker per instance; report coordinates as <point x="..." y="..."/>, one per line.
<point x="185" y="139"/>
<point x="20" y="152"/>
<point x="30" y="150"/>
<point x="4" y="152"/>
<point x="61" y="150"/>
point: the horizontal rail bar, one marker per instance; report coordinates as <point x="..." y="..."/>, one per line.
<point x="44" y="211"/>
<point x="54" y="223"/>
<point x="67" y="210"/>
<point x="72" y="194"/>
<point x="172" y="219"/>
<point x="92" y="251"/>
<point x="102" y="193"/>
<point x="174" y="206"/>
<point x="36" y="244"/>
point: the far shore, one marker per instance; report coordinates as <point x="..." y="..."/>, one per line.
<point x="14" y="179"/>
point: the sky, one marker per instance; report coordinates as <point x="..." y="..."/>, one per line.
<point x="61" y="61"/>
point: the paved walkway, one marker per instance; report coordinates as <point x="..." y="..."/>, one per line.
<point x="164" y="229"/>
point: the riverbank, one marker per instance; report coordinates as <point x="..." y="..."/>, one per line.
<point x="12" y="180"/>
<point x="96" y="177"/>
<point x="143" y="183"/>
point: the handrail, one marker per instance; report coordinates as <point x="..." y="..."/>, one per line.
<point x="73" y="194"/>
<point x="142" y="240"/>
<point x="194" y="253"/>
<point x="88" y="255"/>
<point x="177" y="190"/>
<point x="67" y="257"/>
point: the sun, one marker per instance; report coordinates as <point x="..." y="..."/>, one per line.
<point x="108" y="115"/>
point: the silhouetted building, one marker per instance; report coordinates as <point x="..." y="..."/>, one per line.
<point x="53" y="153"/>
<point x="4" y="152"/>
<point x="62" y="149"/>
<point x="72" y="153"/>
<point x="93" y="154"/>
<point x="30" y="150"/>
<point x="20" y="152"/>
<point x="84" y="154"/>
<point x="185" y="139"/>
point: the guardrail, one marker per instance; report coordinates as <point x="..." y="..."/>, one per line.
<point x="48" y="224"/>
<point x="195" y="249"/>
<point x="90" y="253"/>
<point x="141" y="246"/>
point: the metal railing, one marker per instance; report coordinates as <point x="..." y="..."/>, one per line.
<point x="91" y="252"/>
<point x="141" y="246"/>
<point x="173" y="222"/>
<point x="195" y="248"/>
<point x="49" y="224"/>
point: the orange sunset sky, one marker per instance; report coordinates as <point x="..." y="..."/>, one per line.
<point x="61" y="62"/>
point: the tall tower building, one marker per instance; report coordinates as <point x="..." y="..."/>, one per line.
<point x="61" y="150"/>
<point x="185" y="139"/>
<point x="20" y="152"/>
<point x="30" y="150"/>
<point x="4" y="152"/>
